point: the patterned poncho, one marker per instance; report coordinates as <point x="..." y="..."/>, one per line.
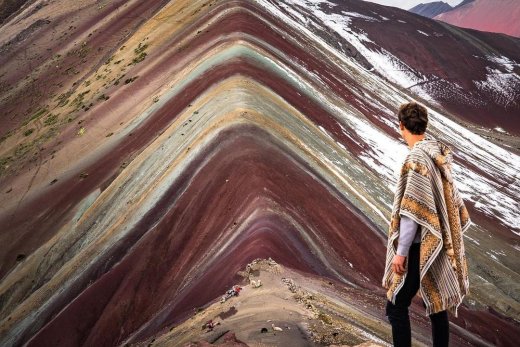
<point x="427" y="194"/>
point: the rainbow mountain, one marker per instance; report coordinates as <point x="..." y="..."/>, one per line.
<point x="154" y="154"/>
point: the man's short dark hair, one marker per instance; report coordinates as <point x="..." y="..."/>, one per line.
<point x="414" y="117"/>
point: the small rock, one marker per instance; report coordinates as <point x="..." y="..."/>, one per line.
<point x="275" y="328"/>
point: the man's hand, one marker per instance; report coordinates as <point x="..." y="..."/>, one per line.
<point x="398" y="264"/>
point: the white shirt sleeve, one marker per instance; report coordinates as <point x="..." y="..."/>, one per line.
<point x="407" y="234"/>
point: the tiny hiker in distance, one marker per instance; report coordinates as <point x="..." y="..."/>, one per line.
<point x="425" y="249"/>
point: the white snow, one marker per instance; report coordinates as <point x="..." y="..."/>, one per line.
<point x="506" y="63"/>
<point x="504" y="87"/>
<point x="501" y="194"/>
<point x="384" y="155"/>
<point x="498" y="251"/>
<point x="384" y="62"/>
<point x="359" y="15"/>
<point x="422" y="32"/>
<point x="472" y="239"/>
<point x="501" y="81"/>
<point x="492" y="256"/>
<point x="325" y="132"/>
<point x="496" y="198"/>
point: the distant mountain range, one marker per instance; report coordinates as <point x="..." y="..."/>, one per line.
<point x="485" y="15"/>
<point x="431" y="9"/>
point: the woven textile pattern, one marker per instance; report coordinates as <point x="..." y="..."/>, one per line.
<point x="426" y="193"/>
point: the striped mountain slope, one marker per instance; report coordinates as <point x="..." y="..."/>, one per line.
<point x="152" y="150"/>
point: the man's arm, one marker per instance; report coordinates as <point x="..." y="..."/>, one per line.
<point x="408" y="228"/>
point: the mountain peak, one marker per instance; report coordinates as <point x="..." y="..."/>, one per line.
<point x="465" y="2"/>
<point x="485" y="15"/>
<point x="431" y="9"/>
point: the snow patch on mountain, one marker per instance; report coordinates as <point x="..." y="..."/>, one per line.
<point x="359" y="15"/>
<point x="384" y="154"/>
<point x="383" y="61"/>
<point x="506" y="63"/>
<point x="503" y="86"/>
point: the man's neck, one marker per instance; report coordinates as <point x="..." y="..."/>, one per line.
<point x="412" y="139"/>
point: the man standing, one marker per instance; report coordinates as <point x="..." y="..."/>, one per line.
<point x="428" y="221"/>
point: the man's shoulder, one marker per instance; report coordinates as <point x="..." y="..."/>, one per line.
<point x="418" y="155"/>
<point x="430" y="151"/>
<point x="415" y="162"/>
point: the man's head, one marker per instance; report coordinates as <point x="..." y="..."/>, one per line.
<point x="414" y="117"/>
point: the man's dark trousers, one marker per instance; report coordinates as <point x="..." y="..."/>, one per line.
<point x="398" y="313"/>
